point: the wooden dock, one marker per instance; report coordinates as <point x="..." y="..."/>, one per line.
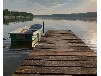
<point x="59" y="53"/>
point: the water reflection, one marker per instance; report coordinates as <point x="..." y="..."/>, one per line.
<point x="15" y="20"/>
<point x="67" y="18"/>
<point x="85" y="29"/>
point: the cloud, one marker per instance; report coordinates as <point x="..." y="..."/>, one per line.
<point x="51" y="6"/>
<point x="48" y="3"/>
<point x="14" y="0"/>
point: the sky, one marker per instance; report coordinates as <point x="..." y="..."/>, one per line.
<point x="47" y="7"/>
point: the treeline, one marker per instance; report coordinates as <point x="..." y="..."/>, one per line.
<point x="6" y="13"/>
<point x="15" y="16"/>
<point x="72" y="15"/>
<point x="78" y="15"/>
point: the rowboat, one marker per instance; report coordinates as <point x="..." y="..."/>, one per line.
<point x="26" y="36"/>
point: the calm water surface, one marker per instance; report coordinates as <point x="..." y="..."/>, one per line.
<point x="87" y="31"/>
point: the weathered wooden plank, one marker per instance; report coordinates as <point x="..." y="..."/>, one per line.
<point x="40" y="75"/>
<point x="27" y="75"/>
<point x="56" y="70"/>
<point x="45" y="63"/>
<point x="37" y="52"/>
<point x="53" y="75"/>
<point x="64" y="58"/>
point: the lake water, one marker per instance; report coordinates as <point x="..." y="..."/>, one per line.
<point x="86" y="30"/>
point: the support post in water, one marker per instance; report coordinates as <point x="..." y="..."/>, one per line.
<point x="43" y="26"/>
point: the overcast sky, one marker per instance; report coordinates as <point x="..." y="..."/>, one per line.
<point x="38" y="7"/>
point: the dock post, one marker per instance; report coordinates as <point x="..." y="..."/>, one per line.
<point x="43" y="26"/>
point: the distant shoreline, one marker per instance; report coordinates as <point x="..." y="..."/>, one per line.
<point x="15" y="16"/>
<point x="72" y="15"/>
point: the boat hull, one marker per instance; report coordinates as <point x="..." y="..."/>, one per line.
<point x="25" y="40"/>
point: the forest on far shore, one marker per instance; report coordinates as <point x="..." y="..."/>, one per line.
<point x="6" y="13"/>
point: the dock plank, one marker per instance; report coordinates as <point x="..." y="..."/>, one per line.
<point x="45" y="63"/>
<point x="55" y="70"/>
<point x="65" y="58"/>
<point x="62" y="53"/>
